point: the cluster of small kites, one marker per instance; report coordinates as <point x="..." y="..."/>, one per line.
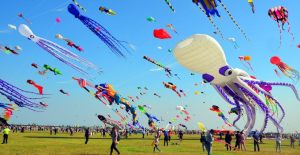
<point x="129" y="106"/>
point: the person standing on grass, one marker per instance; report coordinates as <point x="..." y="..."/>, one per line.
<point x="156" y="141"/>
<point x="228" y="139"/>
<point x="87" y="135"/>
<point x="115" y="137"/>
<point x="278" y="142"/>
<point x="180" y="135"/>
<point x="242" y="140"/>
<point x="292" y="138"/>
<point x="6" y="131"/>
<point x="237" y="140"/>
<point x="203" y="140"/>
<point x="256" y="140"/>
<point x="166" y="138"/>
<point x="208" y="142"/>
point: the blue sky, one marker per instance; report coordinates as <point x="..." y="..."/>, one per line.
<point x="126" y="75"/>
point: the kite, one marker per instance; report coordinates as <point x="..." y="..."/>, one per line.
<point x="235" y="110"/>
<point x="203" y="54"/>
<point x="56" y="50"/>
<point x="69" y="42"/>
<point x="57" y="20"/>
<point x="56" y="71"/>
<point x="34" y="65"/>
<point x="131" y="98"/>
<point x="170" y="50"/>
<point x="43" y="104"/>
<point x="201" y="127"/>
<point x="151" y="19"/>
<point x="151" y="118"/>
<point x="161" y="34"/>
<point x="216" y="109"/>
<point x="18" y="48"/>
<point x="171" y="27"/>
<point x="298" y="46"/>
<point x="63" y="92"/>
<point x="167" y="70"/>
<point x="15" y="95"/>
<point x="245" y="60"/>
<point x="170" y="5"/>
<point x="113" y="44"/>
<point x="252" y="5"/>
<point x="209" y="7"/>
<point x="9" y="50"/>
<point x="280" y="15"/>
<point x="233" y="41"/>
<point x="171" y="86"/>
<point x="38" y="87"/>
<point x="177" y="76"/>
<point x="13" y="27"/>
<point x="285" y="69"/>
<point x="27" y="20"/>
<point x="155" y="94"/>
<point x="182" y="125"/>
<point x="79" y="6"/>
<point x="3" y="122"/>
<point x="107" y="92"/>
<point x="107" y="11"/>
<point x="182" y="109"/>
<point x="182" y="92"/>
<point x="110" y="121"/>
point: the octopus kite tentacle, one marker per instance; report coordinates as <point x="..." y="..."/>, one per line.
<point x="69" y="54"/>
<point x="223" y="94"/>
<point x="274" y="84"/>
<point x="25" y="91"/>
<point x="262" y="106"/>
<point x="51" y="51"/>
<point x="113" y="43"/>
<point x="13" y="95"/>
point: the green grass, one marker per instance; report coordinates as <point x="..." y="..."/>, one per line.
<point x="39" y="143"/>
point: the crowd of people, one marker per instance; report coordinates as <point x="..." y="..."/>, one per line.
<point x="206" y="138"/>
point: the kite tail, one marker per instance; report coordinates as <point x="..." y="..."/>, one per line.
<point x="212" y="22"/>
<point x="104" y="35"/>
<point x="14" y="87"/>
<point x="69" y="54"/>
<point x="234" y="21"/>
<point x="51" y="50"/>
<point x="289" y="30"/>
<point x="280" y="31"/>
<point x="170" y="5"/>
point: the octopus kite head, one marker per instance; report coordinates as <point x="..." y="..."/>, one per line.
<point x="73" y="10"/>
<point x="203" y="54"/>
<point x="25" y="31"/>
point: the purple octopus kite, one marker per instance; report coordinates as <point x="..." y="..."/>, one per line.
<point x="14" y="94"/>
<point x="113" y="43"/>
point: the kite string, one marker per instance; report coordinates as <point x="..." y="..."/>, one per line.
<point x="280" y="30"/>
<point x="289" y="30"/>
<point x="234" y="21"/>
<point x="211" y="21"/>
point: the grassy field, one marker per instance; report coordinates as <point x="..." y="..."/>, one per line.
<point x="62" y="144"/>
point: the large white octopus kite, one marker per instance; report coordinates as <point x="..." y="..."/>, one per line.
<point x="203" y="54"/>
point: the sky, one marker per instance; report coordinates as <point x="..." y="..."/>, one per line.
<point x="126" y="74"/>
